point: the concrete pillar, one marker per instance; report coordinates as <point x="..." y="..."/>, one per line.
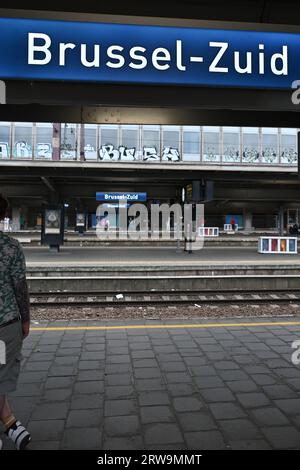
<point x="15" y="219"/>
<point x="248" y="221"/>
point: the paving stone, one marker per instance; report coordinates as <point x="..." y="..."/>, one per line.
<point x="96" y="386"/>
<point x="178" y="377"/>
<point x="202" y="371"/>
<point x="44" y="445"/>
<point x="121" y="425"/>
<point x="56" y="395"/>
<point x="120" y="407"/>
<point x="173" y="366"/>
<point x="28" y="390"/>
<point x="227" y="411"/>
<point x="254" y="444"/>
<point x="242" y="386"/>
<point x="46" y="430"/>
<point x="209" y="382"/>
<point x="118" y="379"/>
<point x="253" y="400"/>
<point x="269" y="416"/>
<point x="279" y="391"/>
<point x="263" y="379"/>
<point x="161" y="433"/>
<point x="289" y="406"/>
<point x="196" y="421"/>
<point x="119" y="391"/>
<point x="153" y="398"/>
<point x="147" y="373"/>
<point x="50" y="411"/>
<point x="123" y="443"/>
<point x="87" y="401"/>
<point x="144" y="363"/>
<point x="156" y="414"/>
<point x="62" y="371"/>
<point x="230" y="375"/>
<point x="182" y="404"/>
<point x="237" y="429"/>
<point x="226" y="365"/>
<point x="181" y="389"/>
<point x="221" y="394"/>
<point x="76" y="439"/>
<point x="84" y="418"/>
<point x="87" y="375"/>
<point x="59" y="382"/>
<point x="206" y="440"/>
<point x="33" y="377"/>
<point x="150" y="384"/>
<point x="282" y="437"/>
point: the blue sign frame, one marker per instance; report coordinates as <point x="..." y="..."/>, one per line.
<point x="34" y="49"/>
<point x="119" y="197"/>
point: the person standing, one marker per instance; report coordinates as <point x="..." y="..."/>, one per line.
<point x="14" y="328"/>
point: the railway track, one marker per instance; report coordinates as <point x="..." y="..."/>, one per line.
<point x="161" y="298"/>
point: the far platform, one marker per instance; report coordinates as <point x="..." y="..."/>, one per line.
<point x="146" y="257"/>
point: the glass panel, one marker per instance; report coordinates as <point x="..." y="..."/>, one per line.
<point x="231" y="144"/>
<point x="288" y="149"/>
<point x="43" y="146"/>
<point x="68" y="144"/>
<point x="108" y="147"/>
<point x="191" y="143"/>
<point x="211" y="144"/>
<point x="151" y="143"/>
<point x="90" y="142"/>
<point x="269" y="145"/>
<point x="250" y="152"/>
<point x="129" y="148"/>
<point x="5" y="140"/>
<point x="23" y="140"/>
<point x="171" y="143"/>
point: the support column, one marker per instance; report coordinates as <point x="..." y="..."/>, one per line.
<point x="248" y="221"/>
<point x="56" y="141"/>
<point x="16" y="219"/>
<point x="281" y="221"/>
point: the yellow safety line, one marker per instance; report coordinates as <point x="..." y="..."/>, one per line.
<point x="149" y="326"/>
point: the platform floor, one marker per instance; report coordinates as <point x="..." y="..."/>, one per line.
<point x="147" y="256"/>
<point x="227" y="385"/>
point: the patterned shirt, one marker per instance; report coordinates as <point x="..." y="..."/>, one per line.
<point x="12" y="270"/>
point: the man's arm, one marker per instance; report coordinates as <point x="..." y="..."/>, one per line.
<point x="18" y="275"/>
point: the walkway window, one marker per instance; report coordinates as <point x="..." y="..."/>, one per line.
<point x="89" y="143"/>
<point x="191" y="143"/>
<point x="171" y="151"/>
<point x="5" y="139"/>
<point x="109" y="142"/>
<point x="288" y="146"/>
<point x="251" y="151"/>
<point x="22" y="140"/>
<point x="43" y="141"/>
<point x="151" y="143"/>
<point x="269" y="152"/>
<point x="211" y="144"/>
<point x="129" y="143"/>
<point x="69" y="142"/>
<point x="231" y="145"/>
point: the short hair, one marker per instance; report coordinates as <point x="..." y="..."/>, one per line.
<point x="3" y="206"/>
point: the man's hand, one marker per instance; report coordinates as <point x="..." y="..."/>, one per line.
<point x="25" y="328"/>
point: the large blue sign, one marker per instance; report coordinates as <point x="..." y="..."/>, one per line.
<point x="129" y="197"/>
<point x="124" y="53"/>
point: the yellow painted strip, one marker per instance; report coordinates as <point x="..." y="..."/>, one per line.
<point x="157" y="327"/>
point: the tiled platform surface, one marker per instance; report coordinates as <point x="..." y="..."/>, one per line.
<point x="217" y="387"/>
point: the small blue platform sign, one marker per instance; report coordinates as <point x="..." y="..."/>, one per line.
<point x="32" y="49"/>
<point x="129" y="197"/>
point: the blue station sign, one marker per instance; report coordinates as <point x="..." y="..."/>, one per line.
<point x="119" y="197"/>
<point x="125" y="53"/>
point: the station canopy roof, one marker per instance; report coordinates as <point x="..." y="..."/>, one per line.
<point x="254" y="11"/>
